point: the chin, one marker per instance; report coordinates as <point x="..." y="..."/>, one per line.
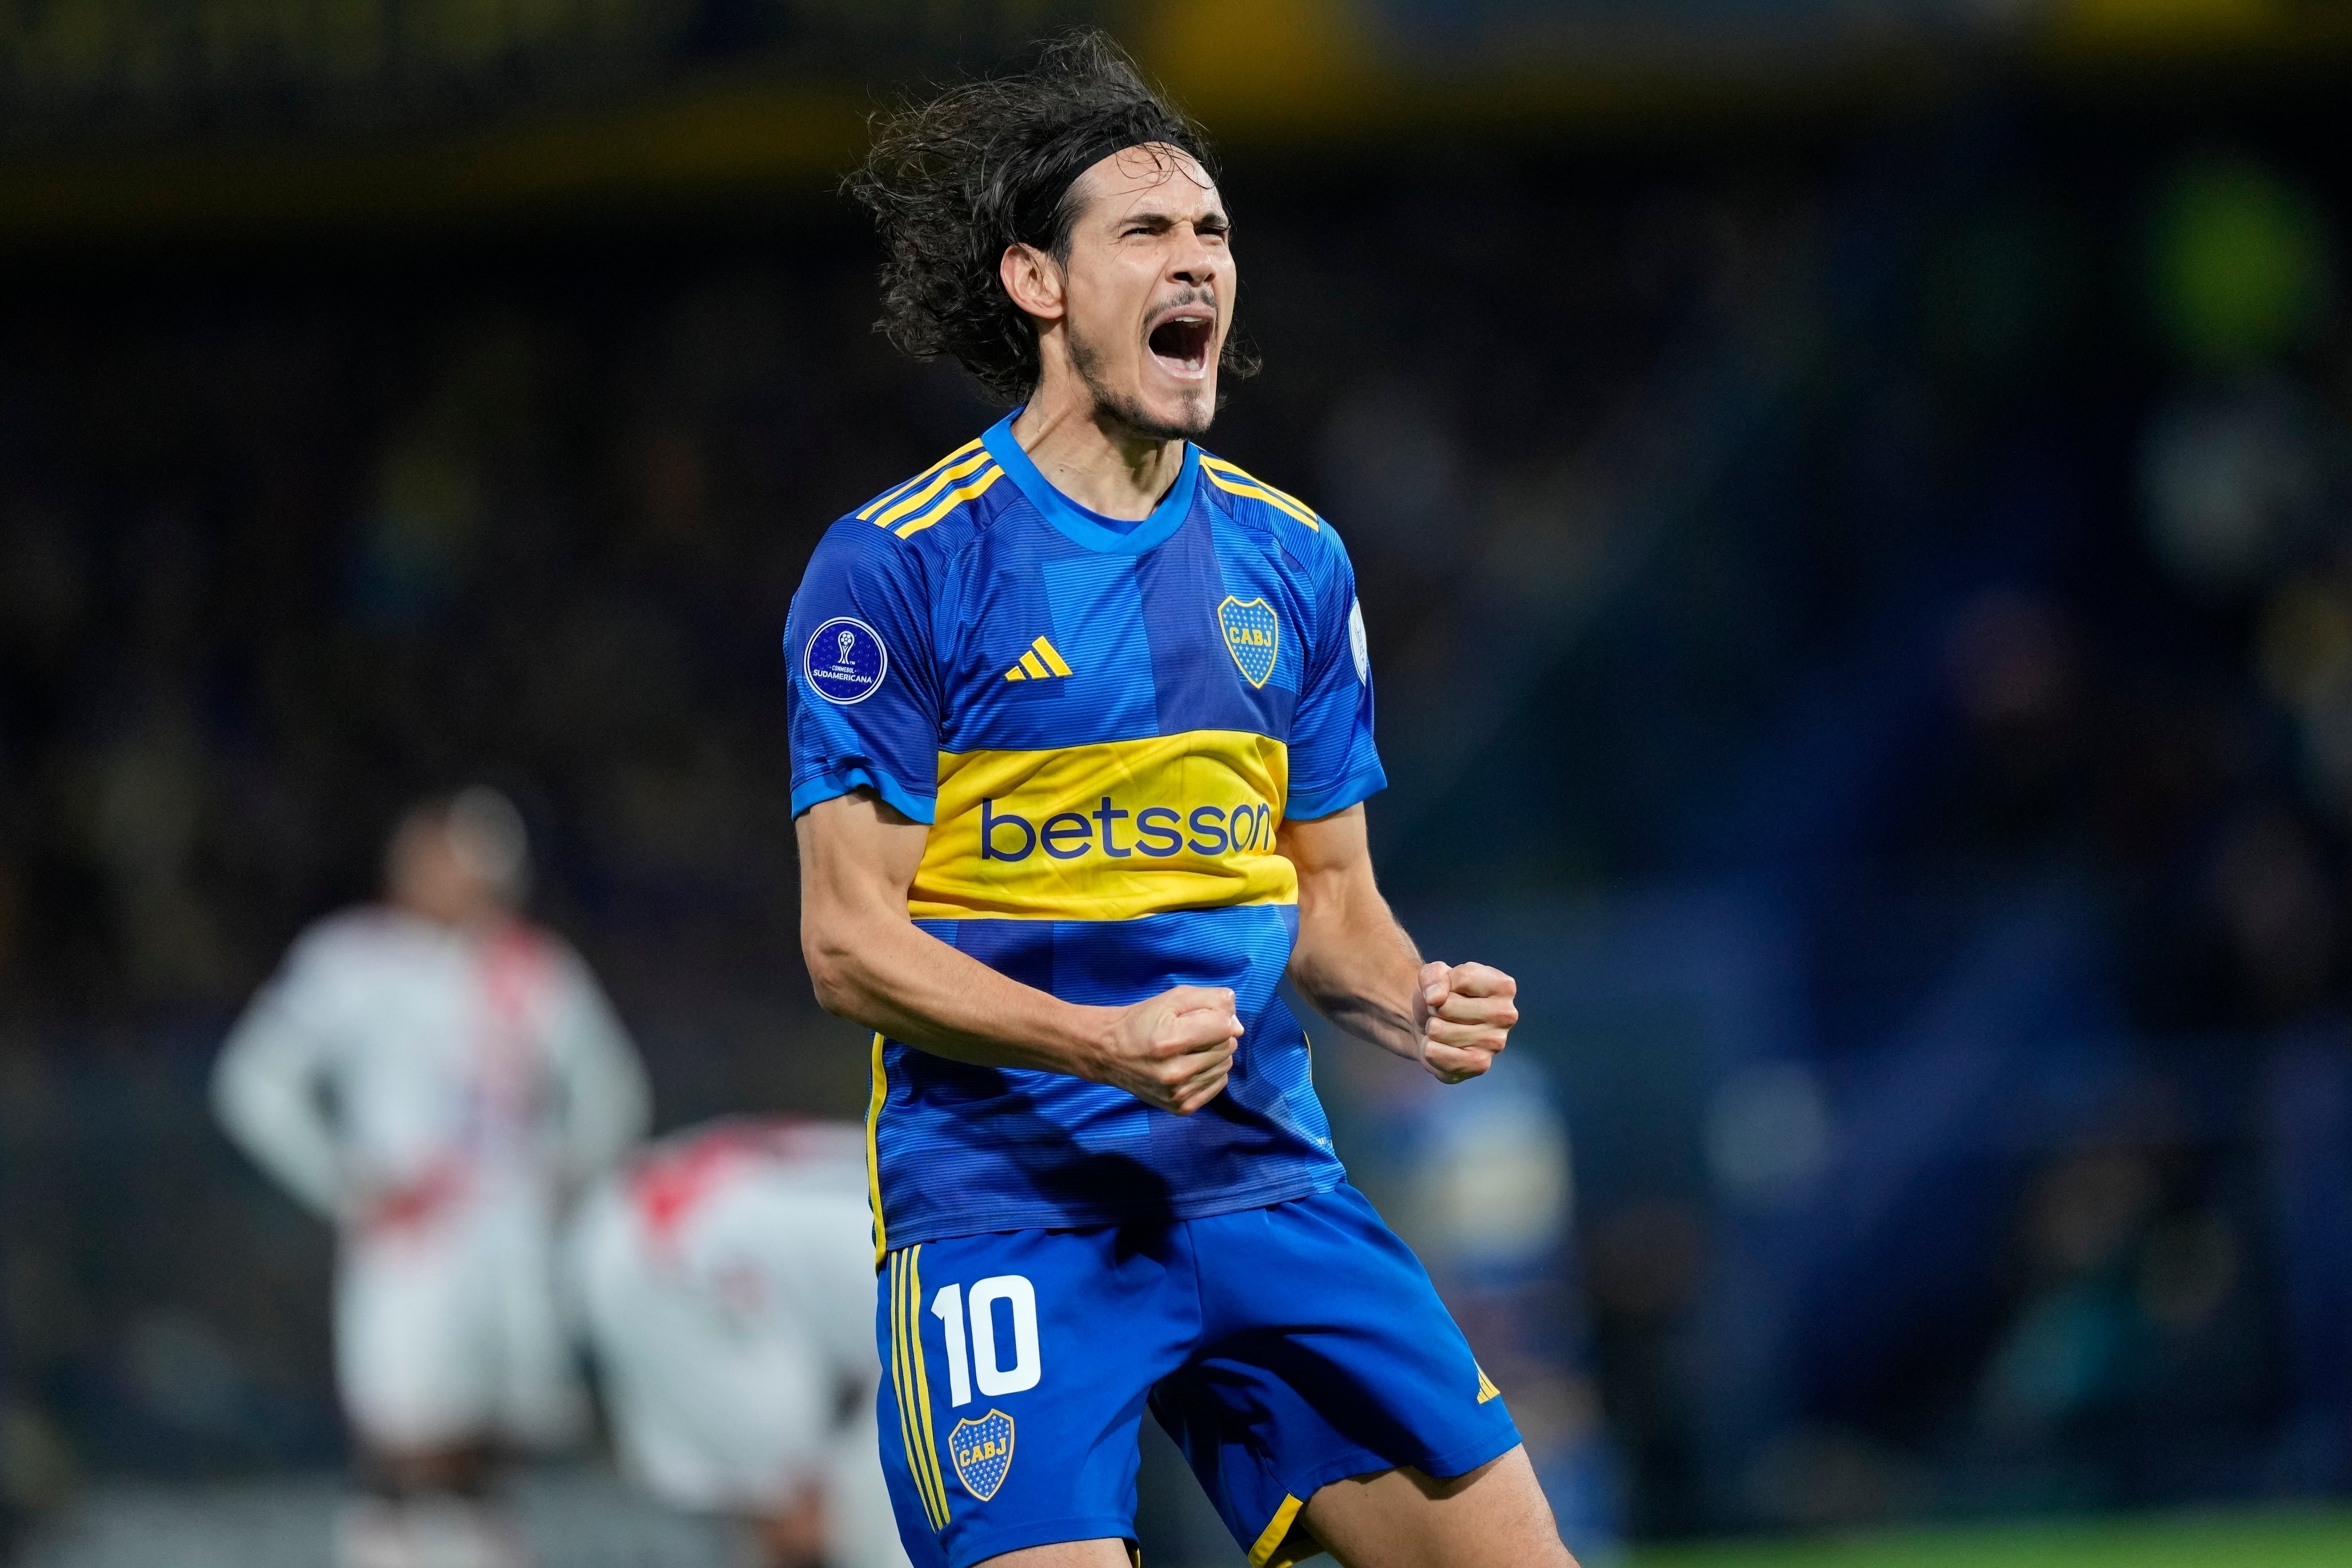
<point x="1171" y="415"/>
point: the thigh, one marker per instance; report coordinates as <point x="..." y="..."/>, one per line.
<point x="1327" y="1354"/>
<point x="1494" y="1517"/>
<point x="540" y="1402"/>
<point x="410" y="1357"/>
<point x="1016" y="1368"/>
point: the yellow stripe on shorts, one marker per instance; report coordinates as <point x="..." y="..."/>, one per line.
<point x="922" y="1381"/>
<point x="1270" y="1541"/>
<point x="910" y="1394"/>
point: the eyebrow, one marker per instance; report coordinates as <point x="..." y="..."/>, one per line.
<point x="1168" y="220"/>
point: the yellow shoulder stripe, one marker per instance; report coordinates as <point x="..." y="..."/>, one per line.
<point x="920" y="497"/>
<point x="1256" y="492"/>
<point x="1226" y="477"/>
<point x="866" y="513"/>
<point x="953" y="499"/>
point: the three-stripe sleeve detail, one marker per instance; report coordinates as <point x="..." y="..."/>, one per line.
<point x="1227" y="477"/>
<point x="866" y="513"/>
<point x="955" y="498"/>
<point x="924" y="494"/>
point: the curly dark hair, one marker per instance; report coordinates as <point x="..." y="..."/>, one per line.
<point x="954" y="179"/>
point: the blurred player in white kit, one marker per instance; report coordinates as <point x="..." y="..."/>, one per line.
<point x="728" y="1276"/>
<point x="439" y="1079"/>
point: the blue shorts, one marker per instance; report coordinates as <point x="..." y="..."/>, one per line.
<point x="1283" y="1348"/>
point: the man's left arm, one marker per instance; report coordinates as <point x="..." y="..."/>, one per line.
<point x="606" y="1102"/>
<point x="1359" y="969"/>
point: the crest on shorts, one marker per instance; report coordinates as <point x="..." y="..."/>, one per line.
<point x="1251" y="634"/>
<point x="982" y="1451"/>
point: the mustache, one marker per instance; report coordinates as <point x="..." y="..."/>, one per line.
<point x="1192" y="296"/>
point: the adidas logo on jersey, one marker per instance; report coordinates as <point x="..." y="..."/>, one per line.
<point x="1042" y="661"/>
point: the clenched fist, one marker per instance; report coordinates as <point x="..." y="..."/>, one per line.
<point x="1465" y="1012"/>
<point x="1174" y="1050"/>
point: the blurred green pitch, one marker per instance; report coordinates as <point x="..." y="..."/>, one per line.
<point x="2269" y="1540"/>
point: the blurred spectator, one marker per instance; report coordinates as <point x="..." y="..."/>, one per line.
<point x="2134" y="1307"/>
<point x="2070" y="1354"/>
<point x="2016" y="667"/>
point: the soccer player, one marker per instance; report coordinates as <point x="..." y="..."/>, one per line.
<point x="1082" y="729"/>
<point x="728" y="1275"/>
<point x="438" y="1077"/>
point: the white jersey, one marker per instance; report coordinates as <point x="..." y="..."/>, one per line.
<point x="394" y="1055"/>
<point x="729" y="1279"/>
<point x="437" y="1093"/>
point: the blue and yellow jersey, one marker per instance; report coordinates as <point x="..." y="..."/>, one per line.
<point x="1104" y="723"/>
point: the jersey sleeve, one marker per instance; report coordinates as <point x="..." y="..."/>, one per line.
<point x="606" y="1103"/>
<point x="1333" y="763"/>
<point x="863" y="698"/>
<point x="265" y="1084"/>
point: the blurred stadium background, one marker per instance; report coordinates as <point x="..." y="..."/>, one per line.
<point x="1853" y="502"/>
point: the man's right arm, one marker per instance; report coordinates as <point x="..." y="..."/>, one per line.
<point x="265" y="1092"/>
<point x="874" y="966"/>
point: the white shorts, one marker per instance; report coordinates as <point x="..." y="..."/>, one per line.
<point x="450" y="1333"/>
<point x="729" y="1412"/>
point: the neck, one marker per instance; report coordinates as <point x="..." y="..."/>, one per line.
<point x="450" y="916"/>
<point x="1092" y="456"/>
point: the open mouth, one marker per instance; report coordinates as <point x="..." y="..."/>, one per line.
<point x="1181" y="344"/>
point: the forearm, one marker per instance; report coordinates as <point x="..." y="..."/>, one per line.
<point x="873" y="965"/>
<point x="1356" y="963"/>
<point x="264" y="1104"/>
<point x="608" y="1104"/>
<point x="1358" y="966"/>
<point x="895" y="978"/>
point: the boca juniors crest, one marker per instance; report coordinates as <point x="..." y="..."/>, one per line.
<point x="1253" y="633"/>
<point x="982" y="1451"/>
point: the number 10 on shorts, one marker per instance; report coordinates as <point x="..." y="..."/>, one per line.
<point x="976" y="1361"/>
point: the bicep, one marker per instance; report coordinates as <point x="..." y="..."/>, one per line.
<point x="858" y="856"/>
<point x="1333" y="856"/>
<point x="610" y="1097"/>
<point x="285" y="1031"/>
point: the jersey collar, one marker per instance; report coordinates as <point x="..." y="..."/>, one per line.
<point x="1074" y="521"/>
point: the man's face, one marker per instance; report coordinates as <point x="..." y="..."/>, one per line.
<point x="1149" y="290"/>
<point x="430" y="874"/>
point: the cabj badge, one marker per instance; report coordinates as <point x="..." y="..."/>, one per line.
<point x="1253" y="634"/>
<point x="982" y="1451"/>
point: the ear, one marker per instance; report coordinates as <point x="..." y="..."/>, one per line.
<point x="1033" y="279"/>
